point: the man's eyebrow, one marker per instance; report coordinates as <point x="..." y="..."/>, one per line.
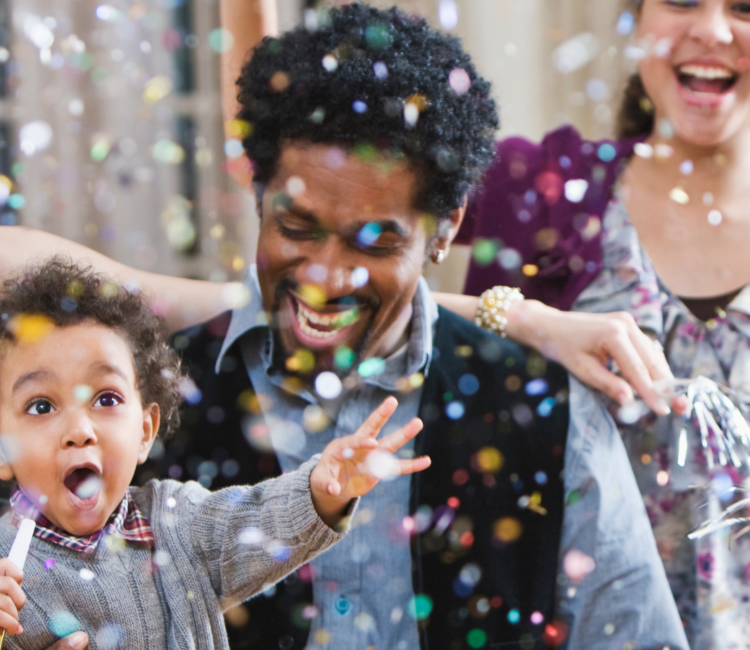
<point x="36" y="375"/>
<point x="298" y="211"/>
<point x="385" y="225"/>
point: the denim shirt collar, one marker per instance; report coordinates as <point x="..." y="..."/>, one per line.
<point x="402" y="363"/>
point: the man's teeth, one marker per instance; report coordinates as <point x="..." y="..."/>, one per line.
<point x="702" y="72"/>
<point x="336" y="322"/>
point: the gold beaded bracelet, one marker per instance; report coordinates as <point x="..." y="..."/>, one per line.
<point x="493" y="305"/>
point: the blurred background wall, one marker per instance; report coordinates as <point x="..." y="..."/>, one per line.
<point x="111" y="128"/>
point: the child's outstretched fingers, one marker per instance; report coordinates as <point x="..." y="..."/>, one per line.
<point x="374" y="423"/>
<point x="413" y="465"/>
<point x="398" y="439"/>
<point x="12" y="598"/>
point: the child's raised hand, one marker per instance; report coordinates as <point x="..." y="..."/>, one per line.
<point x="12" y="598"/>
<point x="352" y="466"/>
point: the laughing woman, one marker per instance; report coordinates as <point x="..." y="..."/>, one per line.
<point x="657" y="224"/>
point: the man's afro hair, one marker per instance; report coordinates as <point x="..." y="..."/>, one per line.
<point x="288" y="92"/>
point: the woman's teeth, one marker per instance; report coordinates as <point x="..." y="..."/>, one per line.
<point x="701" y="72"/>
<point x="706" y="80"/>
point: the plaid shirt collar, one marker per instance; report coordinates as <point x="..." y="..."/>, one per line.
<point x="126" y="522"/>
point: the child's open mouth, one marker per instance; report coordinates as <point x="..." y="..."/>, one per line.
<point x="706" y="80"/>
<point x="84" y="482"/>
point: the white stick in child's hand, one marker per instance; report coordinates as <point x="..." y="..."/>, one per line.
<point x="19" y="551"/>
<point x="20" y="548"/>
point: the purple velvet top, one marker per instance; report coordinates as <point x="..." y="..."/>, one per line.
<point x="547" y="245"/>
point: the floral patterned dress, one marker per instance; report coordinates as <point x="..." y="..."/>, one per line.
<point x="710" y="577"/>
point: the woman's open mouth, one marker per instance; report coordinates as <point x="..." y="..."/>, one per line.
<point x="84" y="484"/>
<point x="706" y="81"/>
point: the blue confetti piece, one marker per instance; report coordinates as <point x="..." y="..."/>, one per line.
<point x="606" y="152"/>
<point x="625" y="23"/>
<point x="537" y="387"/>
<point x="468" y="384"/>
<point x="545" y="407"/>
<point x="369" y="234"/>
<point x="455" y="410"/>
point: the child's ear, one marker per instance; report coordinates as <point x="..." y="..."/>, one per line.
<point x="6" y="471"/>
<point x="151" y="421"/>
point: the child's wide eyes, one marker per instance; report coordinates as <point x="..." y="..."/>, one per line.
<point x="39" y="407"/>
<point x="108" y="399"/>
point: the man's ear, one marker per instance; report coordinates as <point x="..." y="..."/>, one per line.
<point x="448" y="228"/>
<point x="151" y="421"/>
<point x="6" y="471"/>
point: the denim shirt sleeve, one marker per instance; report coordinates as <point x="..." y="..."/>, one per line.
<point x="613" y="592"/>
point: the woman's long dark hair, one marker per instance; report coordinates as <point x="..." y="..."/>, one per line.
<point x="636" y="114"/>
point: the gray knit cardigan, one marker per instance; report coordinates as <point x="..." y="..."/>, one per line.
<point x="212" y="551"/>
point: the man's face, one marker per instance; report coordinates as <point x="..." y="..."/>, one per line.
<point x="341" y="250"/>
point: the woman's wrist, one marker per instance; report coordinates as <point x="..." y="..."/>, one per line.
<point x="526" y="320"/>
<point x="493" y="306"/>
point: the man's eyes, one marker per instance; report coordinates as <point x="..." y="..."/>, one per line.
<point x="372" y="239"/>
<point x="299" y="233"/>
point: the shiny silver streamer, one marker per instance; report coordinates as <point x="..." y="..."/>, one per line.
<point x="717" y="412"/>
<point x="719" y="415"/>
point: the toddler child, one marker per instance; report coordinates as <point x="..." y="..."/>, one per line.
<point x="86" y="378"/>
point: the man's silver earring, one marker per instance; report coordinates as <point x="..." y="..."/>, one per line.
<point x="438" y="256"/>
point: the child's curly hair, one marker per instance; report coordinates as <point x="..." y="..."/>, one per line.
<point x="68" y="294"/>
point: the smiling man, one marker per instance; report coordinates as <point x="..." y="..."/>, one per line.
<point x="343" y="257"/>
<point x="367" y="134"/>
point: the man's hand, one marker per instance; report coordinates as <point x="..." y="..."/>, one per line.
<point x="12" y="598"/>
<point x="352" y="466"/>
<point x="75" y="641"/>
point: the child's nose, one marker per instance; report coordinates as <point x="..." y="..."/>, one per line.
<point x="80" y="432"/>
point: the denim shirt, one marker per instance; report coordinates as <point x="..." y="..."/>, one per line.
<point x="363" y="588"/>
<point x="361" y="593"/>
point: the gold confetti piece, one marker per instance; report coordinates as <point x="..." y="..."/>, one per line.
<point x="279" y="82"/>
<point x="678" y="195"/>
<point x="489" y="460"/>
<point x="157" y="89"/>
<point x="30" y="328"/>
<point x="239" y="129"/>
<point x="420" y="101"/>
<point x="530" y="270"/>
<point x="508" y="529"/>
<point x="313" y="295"/>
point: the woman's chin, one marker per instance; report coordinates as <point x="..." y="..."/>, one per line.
<point x="707" y="133"/>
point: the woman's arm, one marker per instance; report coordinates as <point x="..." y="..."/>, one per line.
<point x="248" y="21"/>
<point x="180" y="301"/>
<point x="584" y="343"/>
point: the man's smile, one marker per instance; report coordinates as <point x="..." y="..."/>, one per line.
<point x="326" y="328"/>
